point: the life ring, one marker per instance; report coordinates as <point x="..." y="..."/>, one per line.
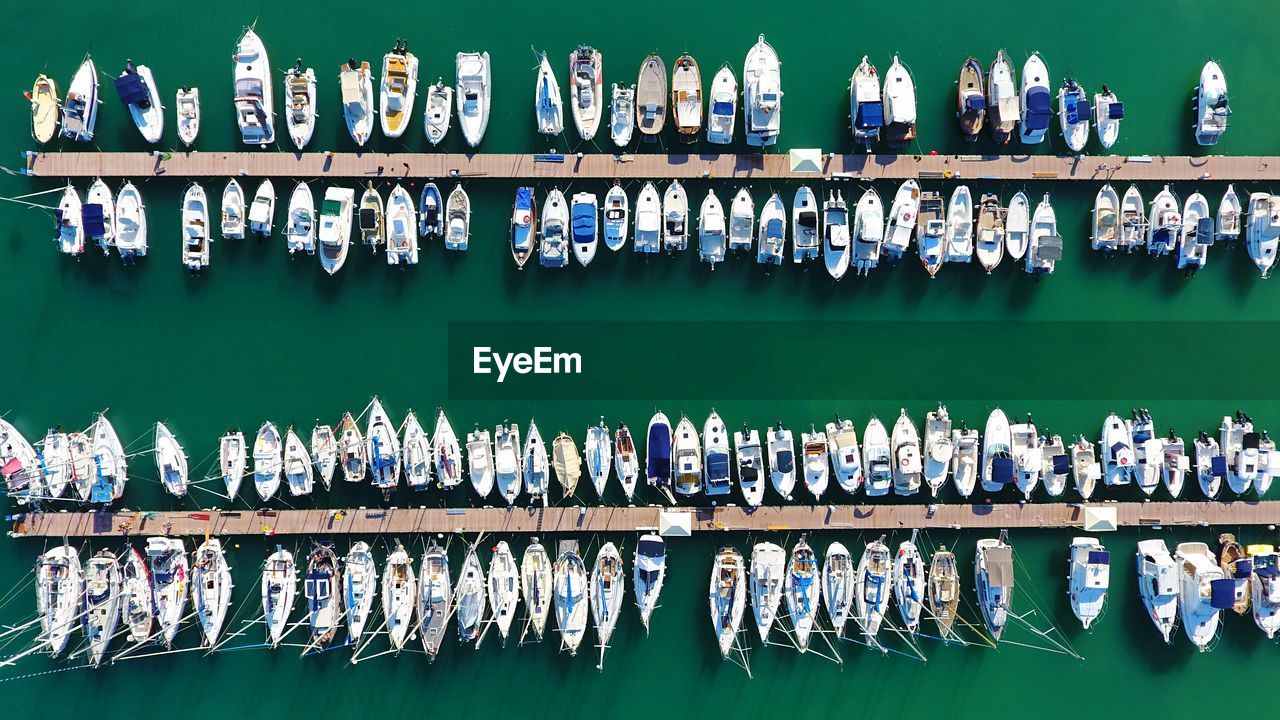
<point x="525" y="218"/>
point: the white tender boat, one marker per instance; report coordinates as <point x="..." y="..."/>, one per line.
<point x="1211" y="106"/>
<point x="1108" y="111"/>
<point x="300" y="223"/>
<point x="1073" y="114"/>
<point x="210" y="590"/>
<point x="356" y="82"/>
<point x="773" y="232"/>
<point x="1035" y="100"/>
<point x="711" y="230"/>
<point x="473" y="95"/>
<point x="762" y="94"/>
<point x="254" y="98"/>
<point x="300" y="88"/>
<point x="131" y="223"/>
<point x="1158" y="586"/>
<point x="171" y="463"/>
<point x="548" y="108"/>
<point x="1262" y="236"/>
<point x="586" y="69"/>
<point x="439" y="111"/>
<point x="1164" y="234"/>
<point x="334" y="233"/>
<point x="398" y="89"/>
<point x="80" y="107"/>
<point x="675" y="218"/>
<point x="742" y="218"/>
<point x="137" y="89"/>
<point x="622" y="120"/>
<point x="69" y="219"/>
<point x="648" y="220"/>
<point x="1106" y="220"/>
<point x="722" y="110"/>
<point x="1088" y="577"/>
<point x="650" y="570"/>
<point x="782" y="460"/>
<point x="267" y="462"/>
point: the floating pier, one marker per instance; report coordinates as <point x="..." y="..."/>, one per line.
<point x="390" y="166"/>
<point x="540" y="521"/>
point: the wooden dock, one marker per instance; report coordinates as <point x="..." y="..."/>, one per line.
<point x="364" y="521"/>
<point x="372" y="166"/>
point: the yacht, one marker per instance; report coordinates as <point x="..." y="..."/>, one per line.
<point x="868" y="233"/>
<point x="1088" y="577"/>
<point x="816" y="465"/>
<point x="1028" y="456"/>
<point x="715" y="449"/>
<point x="1035" y="100"/>
<point x="846" y="456"/>
<point x="867" y="111"/>
<point x="742" y="218"/>
<point x="959" y="233"/>
<point x="657" y="454"/>
<point x="971" y="99"/>
<point x="1203" y="593"/>
<point x="762" y="94"/>
<point x="1003" y="103"/>
<point x="356" y="82"/>
<point x="901" y="222"/>
<point x="687" y="459"/>
<point x="1044" y="249"/>
<point x="1158" y="586"/>
<point x="254" y="101"/>
<point x="750" y="460"/>
<point x="1148" y="451"/>
<point x="480" y="461"/>
<point x="334" y="232"/>
<point x="899" y="105"/>
<point x="1262" y="235"/>
<point x="675" y="218"/>
<point x="782" y="460"/>
<point x="905" y="443"/>
<point x="686" y="97"/>
<point x="1211" y="465"/>
<point x="1117" y="451"/>
<point x="939" y="449"/>
<point x="930" y="229"/>
<point x="586" y="69"/>
<point x="989" y="242"/>
<point x="997" y="453"/>
<point x="711" y="227"/>
<point x="804" y="222"/>
<point x="382" y="448"/>
<point x="1211" y="106"/>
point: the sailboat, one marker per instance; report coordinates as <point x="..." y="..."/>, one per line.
<point x="353" y="455"/>
<point x="942" y="594"/>
<point x="586" y="69"/>
<point x="768" y="570"/>
<point x="536" y="585"/>
<point x="571" y="601"/>
<point x="469" y="599"/>
<point x="382" y="448"/>
<point x="993" y="581"/>
<point x="909" y="585"/>
<point x="321" y="586"/>
<point x="167" y="562"/>
<point x="599" y="454"/>
<point x="254" y="99"/>
<point x="398" y="89"/>
<point x="447" y="454"/>
<point x="103" y="592"/>
<point x="267" y="461"/>
<point x="726" y="597"/>
<point x="399" y="595"/>
<point x="873" y="588"/>
<point x="508" y="474"/>
<point x="608" y="585"/>
<point x="435" y="598"/>
<point x="80" y="107"/>
<point x="111" y="466"/>
<point x="279" y="587"/>
<point x="171" y="463"/>
<point x="838" y="586"/>
<point x="650" y="570"/>
<point x="298" y="473"/>
<point x="504" y="588"/>
<point x="359" y="586"/>
<point x="548" y="108"/>
<point x="625" y="463"/>
<point x="211" y="589"/>
<point x="59" y="590"/>
<point x="537" y="473"/>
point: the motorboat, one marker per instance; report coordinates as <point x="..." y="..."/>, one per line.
<point x="959" y="233"/>
<point x="626" y="464"/>
<point x="1118" y="457"/>
<point x="942" y="592"/>
<point x="1148" y="452"/>
<point x="876" y="459"/>
<point x="1108" y="111"/>
<point x="416" y="446"/>
<point x="939" y="449"/>
<point x="548" y="108"/>
<point x="1238" y="444"/>
<point x="80" y="107"/>
<point x="711" y="228"/>
<point x="846" y="456"/>
<point x="1088" y="577"/>
<point x="657" y="453"/>
<point x="262" y="211"/>
<point x="772" y="239"/>
<point x="866" y="113"/>
<point x="439" y="111"/>
<point x="322" y="588"/>
<point x="598" y="450"/>
<point x="622" y="114"/>
<point x="616" y="212"/>
<point x="435" y="598"/>
<point x="210" y="590"/>
<point x="402" y="228"/>
<point x="131" y="223"/>
<point x="901" y="223"/>
<point x="170" y="575"/>
<point x="899" y="105"/>
<point x="46" y="109"/>
<point x="750" y="460"/>
<point x="480" y="461"/>
<point x="101" y="605"/>
<point x="768" y="571"/>
<point x="98" y="216"/>
<point x="397" y="91"/>
<point x="382" y="447"/>
<point x="835" y="234"/>
<point x="782" y="460"/>
<point x="742" y="218"/>
<point x="651" y="97"/>
<point x="1057" y="464"/>
<point x="727" y="597"/>
<point x="873" y="587"/>
<point x="571" y="599"/>
<point x="993" y="582"/>
<point x="1044" y="248"/>
<point x="1028" y="456"/>
<point x="1004" y="105"/>
<point x="1229" y="215"/>
<point x="687" y="458"/>
<point x="136" y="87"/>
<point x="909" y="584"/>
<point x="971" y="99"/>
<point x="648" y="220"/>
<point x="1211" y="465"/>
<point x="524" y="218"/>
<point x="1212" y="106"/>
<point x="473" y="95"/>
<point x="1133" y="220"/>
<point x="553" y="249"/>
<point x="537" y="470"/>
<point x="60" y="589"/>
<point x="300" y="224"/>
<point x="650" y="570"/>
<point x="907" y="467"/>
<point x="267" y="462"/>
<point x="586" y="69"/>
<point x="717" y="477"/>
<point x="1164" y="234"/>
<point x="1034" y="118"/>
<point x="360" y="585"/>
<point x="1106" y="220"/>
<point x="1158" y="586"/>
<point x="838" y="586"/>
<point x="817" y="467"/>
<point x="195" y="228"/>
<point x="254" y="99"/>
<point x="762" y="94"/>
<point x="1203" y="593"/>
<point x="1265" y="585"/>
<point x="1017" y="227"/>
<point x="300" y="87"/>
<point x="334" y="233"/>
<point x="1237" y="568"/>
<point x="585" y="224"/>
<point x="675" y="218"/>
<point x="470" y="599"/>
<point x="233" y="211"/>
<point x="930" y="229"/>
<point x="536" y="586"/>
<point x="504" y="588"/>
<point x="868" y="236"/>
<point x="373" y="219"/>
<point x="801" y="589"/>
<point x="299" y="476"/>
<point x="171" y="463"/>
<point x="1073" y="114"/>
<point x="989" y="241"/>
<point x="998" y="462"/>
<point x="567" y="463"/>
<point x="1262" y="235"/>
<point x="722" y="110"/>
<point x="964" y="460"/>
<point x="804" y="220"/>
<point x="506" y="461"/>
<point x="279" y="588"/>
<point x="686" y="97"/>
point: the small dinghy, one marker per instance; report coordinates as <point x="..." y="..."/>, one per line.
<point x="1229" y="215"/>
<point x="254" y="100"/>
<point x="110" y="471"/>
<point x="1017" y="227"/>
<point x="506" y="461"/>
<point x="772" y="242"/>
<point x="171" y="462"/>
<point x="469" y="597"/>
<point x="232" y="461"/>
<point x="1106" y="220"/>
<point x="939" y="449"/>
<point x="750" y="461"/>
<point x="964" y="461"/>
<point x="1035" y="101"/>
<point x="435" y="596"/>
<point x="804" y="220"/>
<point x="298" y="475"/>
<point x="1197" y="233"/>
<point x="877" y="460"/>
<point x="768" y="571"/>
<point x="711" y="229"/>
<point x="322" y="586"/>
<point x="648" y="222"/>
<point x="1056" y="464"/>
<point x="675" y="218"/>
<point x="616" y="211"/>
<point x="1003" y="104"/>
<point x="473" y="89"/>
<point x="136" y="611"/>
<point x="651" y="97"/>
<point x="445" y="450"/>
<point x="430" y="211"/>
<point x="458" y="219"/>
<point x="657" y="455"/>
<point x="1088" y="577"/>
<point x="838" y="586"/>
<point x="622" y="114"/>
<point x="46" y="109"/>
<point x="167" y="561"/>
<point x="801" y="589"/>
<point x="835" y="234"/>
<point x="727" y="597"/>
<point x="1203" y="593"/>
<point x="359" y="586"/>
<point x="942" y="591"/>
<point x="782" y="460"/>
<point x="1262" y="237"/>
<point x="585" y="220"/>
<point x="417" y="454"/>
<point x="548" y="108"/>
<point x="899" y="105"/>
<point x="352" y="455"/>
<point x="262" y="211"/>
<point x="997" y="453"/>
<point x="902" y="221"/>
<point x="846" y="456"/>
<point x="210" y="590"/>
<point x="686" y="456"/>
<point x="137" y="90"/>
<point x="324" y="453"/>
<point x="553" y="250"/>
<point x="102" y="599"/>
<point x="722" y="110"/>
<point x="399" y="595"/>
<point x="233" y="211"/>
<point x="993" y="582"/>
<point x="717" y="479"/>
<point x="382" y="447"/>
<point x="480" y="461"/>
<point x="300" y="224"/>
<point x="402" y="228"/>
<point x="570" y="599"/>
<point x="195" y="228"/>
<point x="1158" y="586"/>
<point x="80" y="108"/>
<point x="599" y="455"/>
<point x="524" y="217"/>
<point x="535" y="586"/>
<point x="762" y="94"/>
<point x="686" y="97"/>
<point x="650" y="570"/>
<point x="989" y="242"/>
<point x="1164" y="234"/>
<point x="625" y="463"/>
<point x="439" y="111"/>
<point x="537" y="473"/>
<point x="267" y="462"/>
<point x="1211" y="107"/>
<point x="300" y="84"/>
<point x="1044" y="248"/>
<point x="98" y="215"/>
<point x="356" y="82"/>
<point x="958" y="236"/>
<point x="1108" y="111"/>
<point x="586" y="68"/>
<point x="742" y="218"/>
<point x="1117" y="451"/>
<point x="1028" y="456"/>
<point x="59" y="591"/>
<point x="279" y="587"/>
<point x="1073" y="114"/>
<point x="873" y="587"/>
<point x="504" y="588"/>
<point x="608" y="585"/>
<point x="131" y="223"/>
<point x="69" y="222"/>
<point x="905" y="445"/>
<point x="373" y="220"/>
<point x="398" y="89"/>
<point x="930" y="230"/>
<point x="909" y="585"/>
<point x="971" y="99"/>
<point x="1176" y="464"/>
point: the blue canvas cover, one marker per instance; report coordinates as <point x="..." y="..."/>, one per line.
<point x="718" y="467"/>
<point x="1002" y="470"/>
<point x="1222" y="594"/>
<point x="94" y="221"/>
<point x="659" y="449"/>
<point x="1268" y="571"/>
<point x="524" y="198"/>
<point x="721" y="108"/>
<point x="584" y="223"/>
<point x="973" y="103"/>
<point x="1115" y="110"/>
<point x="101" y="490"/>
<point x="1037" y="109"/>
<point x="870" y="115"/>
<point x="774" y="230"/>
<point x="1061" y="464"/>
<point x="1218" y="466"/>
<point x="1099" y="557"/>
<point x="132" y="90"/>
<point x="1243" y="569"/>
<point x="786" y="461"/>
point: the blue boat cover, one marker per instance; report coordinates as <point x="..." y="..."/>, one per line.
<point x="774" y="229"/>
<point x="1061" y="464"/>
<point x="524" y="198"/>
<point x="1099" y="557"/>
<point x="721" y="108"/>
<point x="870" y="115"/>
<point x="1268" y="571"/>
<point x="100" y="491"/>
<point x="786" y="461"/>
<point x="1162" y="236"/>
<point x="584" y="223"/>
<point x="1244" y="568"/>
<point x="973" y="103"/>
<point x="1222" y="594"/>
<point x="718" y="467"/>
<point x="94" y="221"/>
<point x="1077" y="110"/>
<point x="659" y="449"/>
<point x="1002" y="470"/>
<point x="1037" y="109"/>
<point x="132" y="90"/>
<point x="1218" y="466"/>
<point x="57" y="218"/>
<point x="1115" y="110"/>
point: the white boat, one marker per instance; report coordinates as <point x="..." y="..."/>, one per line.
<point x="1106" y="220"/>
<point x="98" y="215"/>
<point x="322" y="587"/>
<point x="1034" y="118"/>
<point x="571" y="600"/>
<point x="1158" y="586"/>
<point x="846" y="456"/>
<point x="473" y="90"/>
<point x="686" y="97"/>
<point x="69" y="220"/>
<point x="298" y="474"/>
<point x="782" y="460"/>
<point x="1088" y="577"/>
<point x="508" y="474"/>
<point x="866" y="112"/>
<point x="548" y="108"/>
<point x="722" y="110"/>
<point x="1203" y="593"/>
<point x="598" y="450"/>
<point x="233" y="211"/>
<point x="742" y="218"/>
<point x="356" y="82"/>
<point x="801" y="589"/>
<point x="585" y="223"/>
<point x="750" y="461"/>
<point x="1117" y="451"/>
<point x="416" y="448"/>
<point x="382" y="448"/>
<point x="877" y="460"/>
<point x="1164" y="234"/>
<point x="1211" y="106"/>
<point x="762" y="94"/>
<point x="838" y="579"/>
<point x="324" y="453"/>
<point x="817" y="467"/>
<point x="715" y="449"/>
<point x="1004" y="105"/>
<point x="399" y="595"/>
<point x="167" y="562"/>
<point x="835" y="233"/>
<point x="80" y="107"/>
<point x="1239" y="445"/>
<point x="675" y="218"/>
<point x="1057" y="464"/>
<point x="997" y="453"/>
<point x="535" y="586"/>
<point x="1133" y="220"/>
<point x="1211" y="465"/>
<point x="447" y="454"/>
<point x="930" y="230"/>
<point x="648" y="220"/>
<point x="686" y="458"/>
<point x="989" y="241"/>
<point x="300" y="88"/>
<point x="82" y="465"/>
<point x="964" y="460"/>
<point x="650" y="570"/>
<point x="359" y="586"/>
<point x="1017" y="226"/>
<point x="195" y="228"/>
<point x="279" y="587"/>
<point x="616" y="211"/>
<point x="102" y="600"/>
<point x="768" y="571"/>
<point x="868" y="236"/>
<point x="435" y="598"/>
<point x="254" y="99"/>
<point x="439" y="111"/>
<point x="397" y="90"/>
<point x="171" y="463"/>
<point x="626" y="465"/>
<point x="1229" y="215"/>
<point x="909" y="584"/>
<point x="993" y="582"/>
<point x="1265" y="589"/>
<point x="1108" y="111"/>
<point x="553" y="249"/>
<point x="726" y="597"/>
<point x="334" y="233"/>
<point x="939" y="449"/>
<point x="300" y="223"/>
<point x="504" y="588"/>
<point x="137" y="89"/>
<point x="59" y="592"/>
<point x="608" y="585"/>
<point x="1044" y="248"/>
<point x="211" y="588"/>
<point x="901" y="222"/>
<point x="458" y="217"/>
<point x="537" y="474"/>
<point x="1073" y="114"/>
<point x="1028" y="456"/>
<point x="136" y="611"/>
<point x="1262" y="236"/>
<point x="46" y="111"/>
<point x="711" y="230"/>
<point x="873" y="587"/>
<point x="267" y="462"/>
<point x="131" y="223"/>
<point x="469" y="598"/>
<point x="905" y="444"/>
<point x="773" y="232"/>
<point x="262" y="211"/>
<point x="373" y="216"/>
<point x="899" y="105"/>
<point x="586" y="68"/>
<point x="55" y="463"/>
<point x="959" y="233"/>
<point x="804" y="220"/>
<point x="402" y="228"/>
<point x="1148" y="451"/>
<point x="480" y="461"/>
<point x="110" y="469"/>
<point x="622" y="119"/>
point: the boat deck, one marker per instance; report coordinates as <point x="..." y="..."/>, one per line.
<point x="370" y="165"/>
<point x="366" y="521"/>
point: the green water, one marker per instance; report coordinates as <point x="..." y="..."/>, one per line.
<point x="259" y="336"/>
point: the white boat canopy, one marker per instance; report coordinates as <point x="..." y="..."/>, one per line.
<point x="806" y="160"/>
<point x="675" y="523"/>
<point x="1100" y="519"/>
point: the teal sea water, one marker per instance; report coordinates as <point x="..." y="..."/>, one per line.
<point x="259" y="336"/>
